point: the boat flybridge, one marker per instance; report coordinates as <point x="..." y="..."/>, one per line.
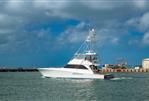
<point x="84" y="63"/>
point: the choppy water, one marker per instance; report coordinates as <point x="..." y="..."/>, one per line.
<point x="30" y="86"/>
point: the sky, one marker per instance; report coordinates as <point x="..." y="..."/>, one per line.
<point x="35" y="33"/>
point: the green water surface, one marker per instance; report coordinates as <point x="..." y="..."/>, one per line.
<point x="30" y="86"/>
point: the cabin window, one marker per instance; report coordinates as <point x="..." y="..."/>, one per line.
<point x="75" y="66"/>
<point x="91" y="58"/>
<point x="94" y="67"/>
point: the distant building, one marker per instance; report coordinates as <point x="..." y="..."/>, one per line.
<point x="109" y="66"/>
<point x="145" y="63"/>
<point x="137" y="67"/>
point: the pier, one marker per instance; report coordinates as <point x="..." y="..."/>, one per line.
<point x="124" y="70"/>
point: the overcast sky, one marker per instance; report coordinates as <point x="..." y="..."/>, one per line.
<point x="41" y="33"/>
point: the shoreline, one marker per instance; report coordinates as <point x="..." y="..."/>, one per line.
<point x="106" y="70"/>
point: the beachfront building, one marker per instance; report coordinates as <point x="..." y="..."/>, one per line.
<point x="145" y="63"/>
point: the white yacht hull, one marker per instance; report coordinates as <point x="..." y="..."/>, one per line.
<point x="83" y="65"/>
<point x="69" y="73"/>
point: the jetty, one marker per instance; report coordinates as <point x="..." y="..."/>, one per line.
<point x="18" y="70"/>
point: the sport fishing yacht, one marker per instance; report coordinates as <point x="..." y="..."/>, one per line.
<point x="84" y="63"/>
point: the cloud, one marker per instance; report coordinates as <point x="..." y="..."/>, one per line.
<point x="144" y="22"/>
<point x="44" y="26"/>
<point x="140" y="22"/>
<point x="99" y="4"/>
<point x="110" y="4"/>
<point x="15" y="19"/>
<point x="3" y="39"/>
<point x="106" y="16"/>
<point x="52" y="4"/>
<point x="77" y="34"/>
<point x="14" y="5"/>
<point x="52" y="8"/>
<point x="140" y="3"/>
<point x="141" y="25"/>
<point x="146" y="38"/>
<point x="104" y="37"/>
<point x="73" y="35"/>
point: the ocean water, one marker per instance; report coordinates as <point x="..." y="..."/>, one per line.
<point x="30" y="86"/>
